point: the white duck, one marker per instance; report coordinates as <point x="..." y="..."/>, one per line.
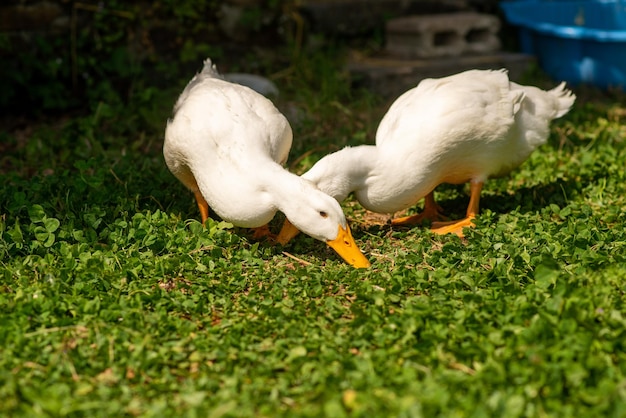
<point x="466" y="127"/>
<point x="226" y="143"/>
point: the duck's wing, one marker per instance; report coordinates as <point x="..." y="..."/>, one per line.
<point x="235" y="113"/>
<point x="473" y="105"/>
<point x="219" y="115"/>
<point x="277" y="134"/>
<point x="209" y="71"/>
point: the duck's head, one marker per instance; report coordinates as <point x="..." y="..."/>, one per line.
<point x="321" y="217"/>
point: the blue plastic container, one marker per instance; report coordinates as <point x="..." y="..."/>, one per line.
<point x="575" y="41"/>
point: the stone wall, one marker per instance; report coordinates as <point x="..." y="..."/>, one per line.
<point x="21" y="15"/>
<point x="344" y="17"/>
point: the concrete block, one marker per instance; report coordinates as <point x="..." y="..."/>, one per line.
<point x="354" y="17"/>
<point x="440" y="35"/>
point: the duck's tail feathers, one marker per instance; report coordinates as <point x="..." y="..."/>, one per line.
<point x="564" y="99"/>
<point x="210" y="70"/>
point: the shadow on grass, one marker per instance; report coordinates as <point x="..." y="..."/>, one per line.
<point x="525" y="199"/>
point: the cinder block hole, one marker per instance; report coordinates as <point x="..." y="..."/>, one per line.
<point x="477" y="35"/>
<point x="445" y="38"/>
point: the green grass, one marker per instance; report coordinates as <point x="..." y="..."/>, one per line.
<point x="115" y="301"/>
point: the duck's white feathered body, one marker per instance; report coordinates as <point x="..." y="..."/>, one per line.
<point x="466" y="127"/>
<point x="226" y="131"/>
<point x="226" y="143"/>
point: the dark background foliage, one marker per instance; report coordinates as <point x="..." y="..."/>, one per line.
<point x="65" y="55"/>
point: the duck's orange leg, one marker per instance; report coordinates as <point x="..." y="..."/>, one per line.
<point x="456" y="227"/>
<point x="202" y="205"/>
<point x="432" y="212"/>
<point x="260" y="232"/>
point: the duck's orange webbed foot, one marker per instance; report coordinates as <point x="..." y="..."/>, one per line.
<point x="456" y="227"/>
<point x="432" y="212"/>
<point x="263" y="232"/>
<point x="453" y="227"/>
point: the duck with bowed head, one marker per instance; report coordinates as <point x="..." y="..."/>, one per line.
<point x="463" y="128"/>
<point x="227" y="144"/>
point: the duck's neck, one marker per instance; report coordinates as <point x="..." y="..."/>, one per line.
<point x="282" y="186"/>
<point x="345" y="171"/>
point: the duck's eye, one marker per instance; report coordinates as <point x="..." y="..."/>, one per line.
<point x="323" y="214"/>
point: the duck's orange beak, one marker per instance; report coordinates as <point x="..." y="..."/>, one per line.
<point x="345" y="246"/>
